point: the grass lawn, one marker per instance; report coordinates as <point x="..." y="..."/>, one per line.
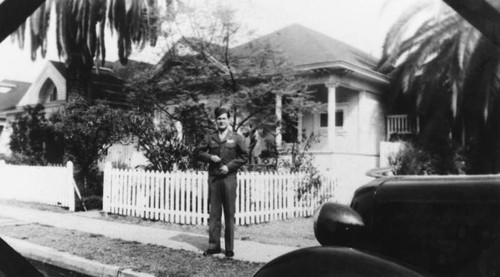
<point x="291" y="232"/>
<point x="157" y="260"/>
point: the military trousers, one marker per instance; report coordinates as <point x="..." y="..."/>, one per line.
<point x="222" y="197"/>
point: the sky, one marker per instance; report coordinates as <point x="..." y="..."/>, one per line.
<point x="360" y="23"/>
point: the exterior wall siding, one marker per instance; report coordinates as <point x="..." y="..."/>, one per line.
<point x="350" y="169"/>
<point x="364" y="123"/>
<point x="371" y="123"/>
<point x="346" y="138"/>
<point x="32" y="95"/>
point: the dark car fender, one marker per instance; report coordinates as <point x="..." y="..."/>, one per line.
<point x="333" y="261"/>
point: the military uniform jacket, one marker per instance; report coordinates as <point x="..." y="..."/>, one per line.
<point x="232" y="151"/>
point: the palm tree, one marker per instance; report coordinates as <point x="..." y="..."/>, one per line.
<point x="451" y="74"/>
<point x="80" y="28"/>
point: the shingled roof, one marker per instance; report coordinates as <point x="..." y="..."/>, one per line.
<point x="301" y="46"/>
<point x="11" y="94"/>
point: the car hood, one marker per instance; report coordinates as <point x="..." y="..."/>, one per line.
<point x="453" y="188"/>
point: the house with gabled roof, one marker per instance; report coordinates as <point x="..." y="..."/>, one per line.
<point x="350" y="123"/>
<point x="49" y="89"/>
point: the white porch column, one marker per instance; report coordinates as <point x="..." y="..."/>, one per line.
<point x="279" y="117"/>
<point x="332" y="103"/>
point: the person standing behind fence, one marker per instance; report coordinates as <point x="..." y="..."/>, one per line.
<point x="225" y="152"/>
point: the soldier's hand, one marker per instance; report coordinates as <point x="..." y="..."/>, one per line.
<point x="223" y="169"/>
<point x="215" y="158"/>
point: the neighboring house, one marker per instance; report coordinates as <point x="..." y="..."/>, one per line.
<point x="49" y="89"/>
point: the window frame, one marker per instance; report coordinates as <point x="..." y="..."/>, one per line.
<point x="338" y="109"/>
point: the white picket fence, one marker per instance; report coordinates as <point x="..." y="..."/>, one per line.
<point x="182" y="197"/>
<point x="52" y="185"/>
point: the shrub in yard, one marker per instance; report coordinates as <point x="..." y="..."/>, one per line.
<point x="297" y="159"/>
<point x="417" y="159"/>
<point x="93" y="202"/>
<point x="161" y="143"/>
<point x="88" y="130"/>
<point x="33" y="140"/>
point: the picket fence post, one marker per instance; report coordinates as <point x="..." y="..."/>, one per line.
<point x="106" y="187"/>
<point x="70" y="185"/>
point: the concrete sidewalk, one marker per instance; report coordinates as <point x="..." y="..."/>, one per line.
<point x="244" y="250"/>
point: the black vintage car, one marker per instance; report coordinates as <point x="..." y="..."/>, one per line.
<point x="405" y="226"/>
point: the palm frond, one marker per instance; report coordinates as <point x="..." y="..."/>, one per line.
<point x="468" y="41"/>
<point x="80" y="27"/>
<point x="39" y="24"/>
<point x="62" y="34"/>
<point x="491" y="80"/>
<point x="435" y="81"/>
<point x="425" y="48"/>
<point x="399" y="28"/>
<point x="18" y="35"/>
<point x="431" y="29"/>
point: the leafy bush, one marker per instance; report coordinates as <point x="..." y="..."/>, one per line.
<point x="416" y="159"/>
<point x="88" y="129"/>
<point x="33" y="138"/>
<point x="161" y="143"/>
<point x="195" y="120"/>
<point x="297" y="159"/>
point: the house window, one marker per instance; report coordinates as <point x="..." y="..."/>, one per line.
<point x="339" y="119"/>
<point x="48" y="92"/>
<point x="323" y="120"/>
<point x="53" y="95"/>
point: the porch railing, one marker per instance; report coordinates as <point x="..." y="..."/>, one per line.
<point x="402" y="124"/>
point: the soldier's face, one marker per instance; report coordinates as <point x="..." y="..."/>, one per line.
<point x="222" y="122"/>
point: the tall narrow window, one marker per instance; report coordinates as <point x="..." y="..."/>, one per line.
<point x="323" y="120"/>
<point x="53" y="95"/>
<point x="48" y="92"/>
<point x="339" y="119"/>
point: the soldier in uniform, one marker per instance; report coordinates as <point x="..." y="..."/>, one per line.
<point x="225" y="151"/>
